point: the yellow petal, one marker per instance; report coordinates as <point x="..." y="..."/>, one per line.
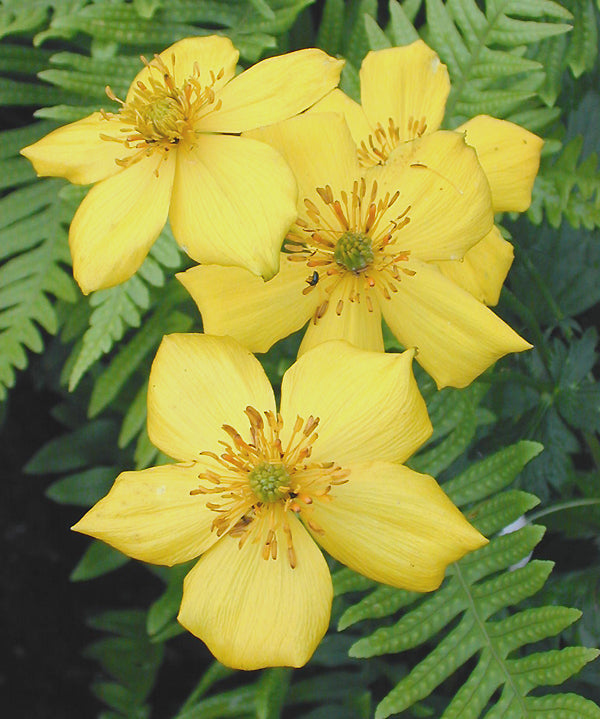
<point x="510" y="157"/>
<point x="407" y="84"/>
<point x="118" y="221"/>
<point x="210" y="54"/>
<point x="483" y="269"/>
<point x="151" y="516"/>
<point x="456" y="336"/>
<point x="337" y="101"/>
<point x="254" y="612"/>
<point x="355" y="323"/>
<point x="439" y="178"/>
<point x="257" y="314"/>
<point x="320" y="150"/>
<point x="394" y="525"/>
<point x="368" y="403"/>
<point x="77" y="151"/>
<point x="273" y="90"/>
<point x="233" y="201"/>
<point x="197" y="384"/>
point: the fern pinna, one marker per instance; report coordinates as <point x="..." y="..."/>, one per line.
<point x="473" y="613"/>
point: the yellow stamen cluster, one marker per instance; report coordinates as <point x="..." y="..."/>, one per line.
<point x="380" y="143"/>
<point x="351" y="241"/>
<point x="256" y="483"/>
<point x="161" y="113"/>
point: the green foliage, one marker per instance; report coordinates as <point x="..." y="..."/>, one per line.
<point x="129" y="659"/>
<point x="568" y="187"/>
<point x="468" y="616"/>
<point x="461" y="650"/>
<point x="33" y="249"/>
<point x="116" y="309"/>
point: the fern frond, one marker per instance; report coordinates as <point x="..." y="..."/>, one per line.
<point x="569" y="188"/>
<point x="476" y="603"/>
<point x="253" y="28"/>
<point x="34" y="252"/>
<point x="128" y="658"/>
<point x="484" y="51"/>
<point x="118" y="308"/>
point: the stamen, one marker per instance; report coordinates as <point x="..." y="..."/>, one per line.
<point x="161" y="113"/>
<point x="254" y="484"/>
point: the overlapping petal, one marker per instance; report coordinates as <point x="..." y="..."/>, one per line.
<point x="233" y="200"/>
<point x="254" y="613"/>
<point x="483" y="269"/>
<point x="368" y="404"/>
<point x="510" y="157"/>
<point x="457" y="337"/>
<point x="209" y="54"/>
<point x="338" y="101"/>
<point x="118" y="221"/>
<point x="77" y="151"/>
<point x="355" y="323"/>
<point x="394" y="525"/>
<point x="197" y="384"/>
<point x="440" y="179"/>
<point x="151" y="516"/>
<point x="407" y="84"/>
<point x="237" y="303"/>
<point x="320" y="151"/>
<point x="273" y="90"/>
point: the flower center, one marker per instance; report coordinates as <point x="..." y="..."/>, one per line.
<point x="257" y="483"/>
<point x="161" y="119"/>
<point x="354" y="251"/>
<point x="384" y="139"/>
<point x="353" y="237"/>
<point x="160" y="112"/>
<point x="269" y="482"/>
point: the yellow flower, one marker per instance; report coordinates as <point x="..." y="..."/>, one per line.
<point x="255" y="489"/>
<point x="403" y="97"/>
<point x="364" y="245"/>
<point x="173" y="150"/>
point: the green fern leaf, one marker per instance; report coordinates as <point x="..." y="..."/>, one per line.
<point x="331" y="29"/>
<point x="23" y="19"/>
<point x="583" y="48"/>
<point x="568" y="187"/>
<point x="118" y="308"/>
<point x="34" y="250"/>
<point x="473" y="602"/>
<point x="484" y="49"/>
<point x="401" y="30"/>
<point x="108" y="385"/>
<point x="122" y="24"/>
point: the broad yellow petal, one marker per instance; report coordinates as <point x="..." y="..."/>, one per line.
<point x="273" y="90"/>
<point x="233" y="201"/>
<point x="197" y="384"/>
<point x="320" y="151"/>
<point x="235" y="302"/>
<point x="510" y="157"/>
<point x="337" y="101"/>
<point x="394" y="525"/>
<point x="441" y="181"/>
<point x="254" y="612"/>
<point x="456" y="336"/>
<point x="77" y="151"/>
<point x="368" y="403"/>
<point x="357" y="322"/>
<point x="406" y="84"/>
<point x="151" y="516"/>
<point x="118" y="221"/>
<point x="212" y="55"/>
<point x="483" y="269"/>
